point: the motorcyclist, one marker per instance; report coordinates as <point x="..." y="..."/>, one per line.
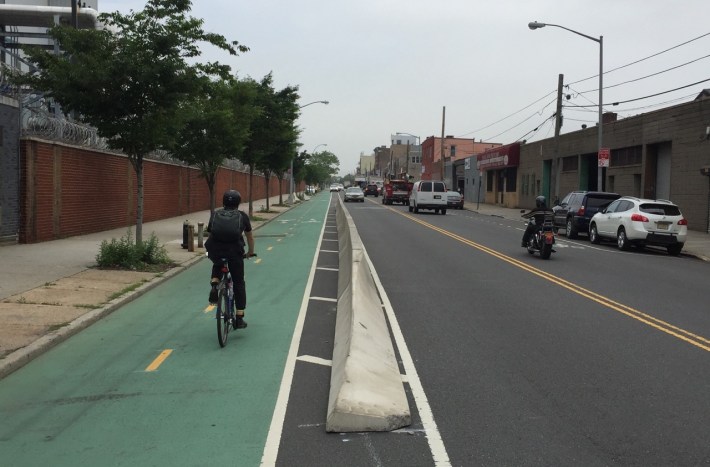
<point x="537" y="217"/>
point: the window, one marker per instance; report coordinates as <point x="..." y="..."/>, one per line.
<point x="626" y="156"/>
<point x="570" y="164"/>
<point x="425" y="186"/>
<point x="452" y="153"/>
<point x="489" y="180"/>
<point x="439" y="187"/>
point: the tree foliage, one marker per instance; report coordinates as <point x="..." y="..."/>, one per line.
<point x="321" y="167"/>
<point x="274" y="133"/>
<point x="217" y="127"/>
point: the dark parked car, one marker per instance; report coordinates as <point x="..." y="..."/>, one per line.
<point x="577" y="208"/>
<point x="371" y="189"/>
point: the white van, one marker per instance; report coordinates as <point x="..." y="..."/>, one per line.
<point x="428" y="194"/>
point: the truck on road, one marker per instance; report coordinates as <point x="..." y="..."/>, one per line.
<point x="396" y="191"/>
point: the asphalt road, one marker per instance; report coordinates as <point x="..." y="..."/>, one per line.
<point x="595" y="357"/>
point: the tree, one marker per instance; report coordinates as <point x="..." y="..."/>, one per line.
<point x="130" y="81"/>
<point x="321" y="167"/>
<point x="282" y="111"/>
<point x="273" y="131"/>
<point x="217" y="128"/>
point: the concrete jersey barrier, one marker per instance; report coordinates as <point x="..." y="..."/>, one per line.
<point x="366" y="390"/>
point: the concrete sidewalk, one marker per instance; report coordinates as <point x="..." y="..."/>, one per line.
<point x="697" y="243"/>
<point x="51" y="290"/>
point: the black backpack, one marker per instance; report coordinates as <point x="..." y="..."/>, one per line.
<point x="227" y="226"/>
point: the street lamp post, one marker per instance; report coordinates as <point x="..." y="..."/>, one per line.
<point x="291" y="198"/>
<point x="535" y="25"/>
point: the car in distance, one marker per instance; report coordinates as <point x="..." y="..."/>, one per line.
<point x="334" y="187"/>
<point x="576" y="208"/>
<point x="372" y="189"/>
<point x="354" y="193"/>
<point x="454" y="199"/>
<point x="640" y="222"/>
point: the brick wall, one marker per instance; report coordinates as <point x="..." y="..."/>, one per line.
<point x="67" y="190"/>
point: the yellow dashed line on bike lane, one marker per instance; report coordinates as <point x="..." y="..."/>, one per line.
<point x="159" y="360"/>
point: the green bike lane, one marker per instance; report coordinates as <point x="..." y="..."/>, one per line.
<point x="95" y="400"/>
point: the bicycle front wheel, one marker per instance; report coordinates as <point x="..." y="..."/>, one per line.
<point x="222" y="318"/>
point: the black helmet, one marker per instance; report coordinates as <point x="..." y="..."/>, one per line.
<point x="231" y="199"/>
<point x="540" y="201"/>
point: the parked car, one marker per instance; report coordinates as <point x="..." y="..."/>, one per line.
<point x="354" y="193"/>
<point x="372" y="189"/>
<point x="340" y="187"/>
<point x="428" y="194"/>
<point x="454" y="199"/>
<point x="577" y="208"/>
<point x="334" y="187"/>
<point x="640" y="222"/>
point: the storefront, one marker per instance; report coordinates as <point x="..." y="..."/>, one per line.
<point x="499" y="172"/>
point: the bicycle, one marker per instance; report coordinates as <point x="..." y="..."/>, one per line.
<point x="225" y="315"/>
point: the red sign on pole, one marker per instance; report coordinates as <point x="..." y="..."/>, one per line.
<point x="603" y="157"/>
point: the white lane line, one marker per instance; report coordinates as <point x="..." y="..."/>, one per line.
<point x="271" y="447"/>
<point x="316" y="360"/>
<point x="325" y="299"/>
<point x="330" y="251"/>
<point x="436" y="444"/>
<point x="327" y="269"/>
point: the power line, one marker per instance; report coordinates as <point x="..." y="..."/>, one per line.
<point x="649" y="96"/>
<point x="645" y="58"/>
<point x="505" y="118"/>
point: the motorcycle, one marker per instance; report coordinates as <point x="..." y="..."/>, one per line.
<point x="543" y="238"/>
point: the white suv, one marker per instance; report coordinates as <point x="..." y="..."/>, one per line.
<point x="640" y="222"/>
<point x="428" y="194"/>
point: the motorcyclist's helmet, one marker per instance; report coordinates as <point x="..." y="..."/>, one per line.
<point x="540" y="202"/>
<point x="231" y="199"/>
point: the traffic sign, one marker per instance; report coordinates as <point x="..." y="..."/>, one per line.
<point x="603" y="157"/>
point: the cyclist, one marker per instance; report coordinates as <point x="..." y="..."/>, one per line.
<point x="227" y="228"/>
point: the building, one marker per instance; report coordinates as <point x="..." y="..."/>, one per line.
<point x="663" y="154"/>
<point x="454" y="149"/>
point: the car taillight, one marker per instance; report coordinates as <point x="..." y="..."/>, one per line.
<point x="639" y="218"/>
<point x="683" y="222"/>
<point x="580" y="211"/>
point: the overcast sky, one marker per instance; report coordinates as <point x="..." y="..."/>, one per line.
<point x="390" y="66"/>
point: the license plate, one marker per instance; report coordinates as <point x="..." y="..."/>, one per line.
<point x="663" y="225"/>
<point x="437" y="196"/>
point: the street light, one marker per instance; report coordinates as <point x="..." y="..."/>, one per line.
<point x="535" y="25"/>
<point x="291" y="198"/>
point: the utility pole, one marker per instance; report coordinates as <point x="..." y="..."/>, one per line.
<point x="554" y="183"/>
<point x="441" y="158"/>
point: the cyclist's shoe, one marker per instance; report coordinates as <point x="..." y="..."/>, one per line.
<point x="213" y="294"/>
<point x="239" y="322"/>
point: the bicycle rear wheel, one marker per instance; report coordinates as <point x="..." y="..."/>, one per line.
<point x="222" y="318"/>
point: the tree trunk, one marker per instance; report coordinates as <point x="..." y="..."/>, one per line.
<point x="250" y="191"/>
<point x="138" y="167"/>
<point x="267" y="177"/>
<point x="280" y="178"/>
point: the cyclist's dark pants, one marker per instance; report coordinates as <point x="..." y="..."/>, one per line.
<point x="236" y="267"/>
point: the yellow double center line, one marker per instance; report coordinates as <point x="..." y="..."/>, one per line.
<point x="663" y="326"/>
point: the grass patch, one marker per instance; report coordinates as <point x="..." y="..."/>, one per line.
<point x="256" y="218"/>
